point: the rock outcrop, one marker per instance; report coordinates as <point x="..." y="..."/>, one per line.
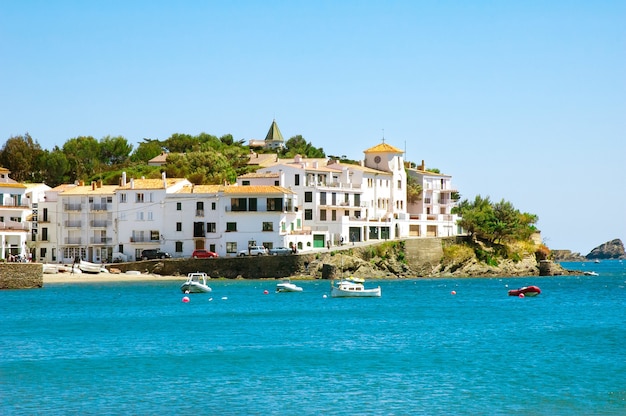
<point x="567" y="255"/>
<point x="611" y="250"/>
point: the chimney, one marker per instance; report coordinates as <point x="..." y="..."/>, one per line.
<point x="123" y="179"/>
<point x="99" y="183"/>
<point x="93" y="186"/>
<point x="132" y="183"/>
<point x="423" y="166"/>
<point x="164" y="180"/>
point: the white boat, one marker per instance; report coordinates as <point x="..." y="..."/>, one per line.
<point x="196" y="283"/>
<point x="50" y="268"/>
<point x="348" y="289"/>
<point x="287" y="286"/>
<point x="591" y="274"/>
<point x="88" y="267"/>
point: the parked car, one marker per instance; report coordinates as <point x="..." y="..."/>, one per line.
<point x="119" y="257"/>
<point x="154" y="253"/>
<point x="279" y="251"/>
<point x="202" y="253"/>
<point x="253" y="251"/>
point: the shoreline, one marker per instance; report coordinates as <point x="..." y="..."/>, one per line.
<point x="106" y="277"/>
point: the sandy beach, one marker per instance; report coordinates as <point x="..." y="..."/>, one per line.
<point x="105" y="277"/>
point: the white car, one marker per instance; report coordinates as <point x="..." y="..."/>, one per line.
<point x="253" y="251"/>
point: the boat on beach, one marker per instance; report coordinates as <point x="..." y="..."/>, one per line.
<point x="287" y="286"/>
<point x="348" y="289"/>
<point x="526" y="291"/>
<point x="87" y="267"/>
<point x="196" y="283"/>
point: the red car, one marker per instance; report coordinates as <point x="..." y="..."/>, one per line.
<point x="203" y="254"/>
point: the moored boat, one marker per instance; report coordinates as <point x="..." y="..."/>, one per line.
<point x="348" y="289"/>
<point x="526" y="291"/>
<point x="196" y="283"/>
<point x="287" y="286"/>
<point x="88" y="267"/>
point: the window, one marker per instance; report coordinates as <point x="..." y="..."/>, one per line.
<point x="308" y="214"/>
<point x="346" y="199"/>
<point x="238" y="204"/>
<point x="322" y="215"/>
<point x="245" y="183"/>
<point x="357" y="200"/>
<point x="308" y="197"/>
<point x="122" y="198"/>
<point x="139" y="216"/>
<point x="231" y="247"/>
<point x="198" y="229"/>
<point x="322" y="198"/>
<point x="179" y="206"/>
<point x="231" y="226"/>
<point x="179" y="226"/>
<point x="213" y="206"/>
<point x="333" y="215"/>
<point x="179" y="247"/>
<point x="139" y="197"/>
<point x="211" y="228"/>
<point x="274" y="204"/>
<point x="154" y="235"/>
<point x="268" y="226"/>
<point x="296" y="179"/>
<point x="44" y="234"/>
<point x="252" y="204"/>
<point x="150" y="217"/>
<point x="277" y="183"/>
<point x="399" y="184"/>
<point x="200" y="209"/>
<point x="333" y="198"/>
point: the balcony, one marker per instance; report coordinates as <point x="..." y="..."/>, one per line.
<point x="73" y="224"/>
<point x="99" y="207"/>
<point x="100" y="223"/>
<point x="14" y="225"/>
<point x="101" y="240"/>
<point x="73" y="207"/>
<point x="72" y="240"/>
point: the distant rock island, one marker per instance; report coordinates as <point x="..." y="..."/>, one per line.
<point x="611" y="250"/>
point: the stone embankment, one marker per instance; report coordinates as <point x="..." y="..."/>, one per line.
<point x="21" y="275"/>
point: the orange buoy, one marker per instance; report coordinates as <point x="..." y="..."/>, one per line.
<point x="265" y="292"/>
<point x="453" y="292"/>
<point x="185" y="299"/>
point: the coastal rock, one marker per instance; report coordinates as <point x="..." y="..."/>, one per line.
<point x="566" y="255"/>
<point x="611" y="250"/>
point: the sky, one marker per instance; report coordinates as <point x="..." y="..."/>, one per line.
<point x="523" y="101"/>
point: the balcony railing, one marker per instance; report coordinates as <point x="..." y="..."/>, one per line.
<point x="72" y="240"/>
<point x="13" y="204"/>
<point x="101" y="240"/>
<point x="99" y="207"/>
<point x="100" y="223"/>
<point x="73" y="207"/>
<point x="14" y="225"/>
<point x="73" y="224"/>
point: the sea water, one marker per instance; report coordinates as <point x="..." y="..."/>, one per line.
<point x="427" y="346"/>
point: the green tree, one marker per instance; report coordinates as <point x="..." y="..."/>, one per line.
<point x="297" y="145"/>
<point x="413" y="189"/>
<point x="146" y="150"/>
<point x="114" y="150"/>
<point x="55" y="167"/>
<point x="83" y="154"/>
<point x="22" y="155"/>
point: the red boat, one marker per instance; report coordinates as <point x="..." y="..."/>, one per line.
<point x="526" y="291"/>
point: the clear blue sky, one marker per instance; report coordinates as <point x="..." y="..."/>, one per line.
<point x="517" y="100"/>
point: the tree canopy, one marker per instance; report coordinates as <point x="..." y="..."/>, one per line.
<point x="494" y="222"/>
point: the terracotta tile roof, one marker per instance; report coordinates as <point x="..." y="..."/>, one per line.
<point x="235" y="189"/>
<point x="260" y="175"/>
<point x="151" y="183"/>
<point x="89" y="190"/>
<point x="383" y="148"/>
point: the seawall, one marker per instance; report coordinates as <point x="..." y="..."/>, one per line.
<point x="21" y="275"/>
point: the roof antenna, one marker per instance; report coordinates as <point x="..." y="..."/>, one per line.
<point x="383" y="135"/>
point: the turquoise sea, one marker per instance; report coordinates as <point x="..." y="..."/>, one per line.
<point x="137" y="349"/>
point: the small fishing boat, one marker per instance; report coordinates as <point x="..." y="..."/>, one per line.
<point x="347" y="289"/>
<point x="88" y="267"/>
<point x="591" y="274"/>
<point x="287" y="286"/>
<point x="526" y="291"/>
<point x="196" y="283"/>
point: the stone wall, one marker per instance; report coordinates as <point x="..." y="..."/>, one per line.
<point x="21" y="275"/>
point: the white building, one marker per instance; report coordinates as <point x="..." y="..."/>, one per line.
<point x="16" y="216"/>
<point x="229" y="218"/>
<point x="431" y="215"/>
